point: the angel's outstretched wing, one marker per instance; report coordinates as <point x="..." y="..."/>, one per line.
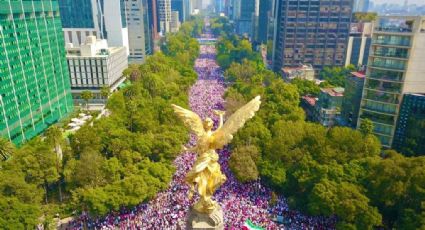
<point x="190" y="119"/>
<point x="224" y="135"/>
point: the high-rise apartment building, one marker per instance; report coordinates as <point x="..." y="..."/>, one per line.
<point x="359" y="44"/>
<point x="34" y="78"/>
<point x="139" y="33"/>
<point x="164" y="15"/>
<point x="100" y="18"/>
<point x="311" y="32"/>
<point x="395" y="67"/>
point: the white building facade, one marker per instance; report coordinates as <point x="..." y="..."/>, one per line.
<point x="94" y="65"/>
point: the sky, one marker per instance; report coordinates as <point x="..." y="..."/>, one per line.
<point x="400" y="2"/>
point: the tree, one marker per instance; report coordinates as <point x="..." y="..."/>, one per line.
<point x="18" y="215"/>
<point x="6" y="148"/>
<point x="366" y="127"/>
<point x="242" y="163"/>
<point x="86" y="96"/>
<point x="365" y="17"/>
<point x="39" y="163"/>
<point x="306" y="87"/>
<point x="105" y="91"/>
<point x="54" y="137"/>
<point x="336" y="75"/>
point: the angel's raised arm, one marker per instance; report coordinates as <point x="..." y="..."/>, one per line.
<point x="190" y="119"/>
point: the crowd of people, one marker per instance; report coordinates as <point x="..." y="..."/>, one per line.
<point x="240" y="202"/>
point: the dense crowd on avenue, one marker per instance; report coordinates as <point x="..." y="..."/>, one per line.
<point x="240" y="202"/>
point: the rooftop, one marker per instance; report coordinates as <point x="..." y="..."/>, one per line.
<point x="334" y="92"/>
<point x="92" y="47"/>
<point x="310" y="100"/>
<point x="358" y="74"/>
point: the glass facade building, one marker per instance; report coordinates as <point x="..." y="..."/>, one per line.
<point x="34" y="79"/>
<point x="311" y="32"/>
<point x="395" y="67"/>
<point x="76" y="13"/>
<point x="409" y="138"/>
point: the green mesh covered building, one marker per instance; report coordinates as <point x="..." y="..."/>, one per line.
<point x="34" y="78"/>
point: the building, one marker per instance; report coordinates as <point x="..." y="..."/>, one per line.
<point x="93" y="65"/>
<point x="328" y="106"/>
<point x="34" y="80"/>
<point x="305" y="72"/>
<point x="139" y="32"/>
<point x="174" y="23"/>
<point x="247" y="18"/>
<point x="219" y="6"/>
<point x="409" y="138"/>
<point x="359" y="44"/>
<point x="187" y="12"/>
<point x="308" y="103"/>
<point x="265" y="21"/>
<point x="196" y="6"/>
<point x="352" y="97"/>
<point x="395" y="67"/>
<point x="103" y="19"/>
<point x="164" y="15"/>
<point x="153" y="19"/>
<point x="179" y="6"/>
<point x="311" y="32"/>
<point x="361" y="6"/>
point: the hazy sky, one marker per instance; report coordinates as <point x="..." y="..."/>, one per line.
<point x="419" y="2"/>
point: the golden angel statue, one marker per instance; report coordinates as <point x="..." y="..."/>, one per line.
<point x="205" y="173"/>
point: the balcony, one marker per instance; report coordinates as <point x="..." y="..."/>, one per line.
<point x="379" y="118"/>
<point x="379" y="107"/>
<point x="383" y="86"/>
<point x="394" y="29"/>
<point x="380" y="96"/>
<point x="390" y="52"/>
<point x="391" y="40"/>
<point x="388" y="64"/>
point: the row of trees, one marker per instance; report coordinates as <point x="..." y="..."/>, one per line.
<point x="321" y="171"/>
<point x="120" y="160"/>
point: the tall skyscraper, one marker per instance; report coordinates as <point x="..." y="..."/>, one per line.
<point x="311" y="32"/>
<point x="139" y="33"/>
<point x="100" y="18"/>
<point x="164" y="15"/>
<point x="178" y="5"/>
<point x="265" y="21"/>
<point x="361" y="6"/>
<point x="409" y="138"/>
<point x="153" y="18"/>
<point x="187" y="13"/>
<point x="34" y="78"/>
<point x="247" y="20"/>
<point x="395" y="67"/>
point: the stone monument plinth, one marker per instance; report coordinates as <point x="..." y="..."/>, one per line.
<point x="204" y="221"/>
